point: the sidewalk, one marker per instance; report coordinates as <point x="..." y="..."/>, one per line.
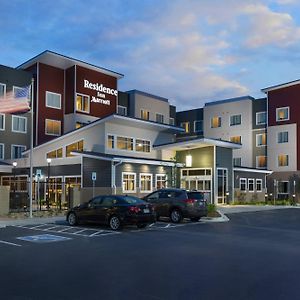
<point x="6" y="221"/>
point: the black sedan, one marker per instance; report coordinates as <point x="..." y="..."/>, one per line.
<point x="113" y="210"/>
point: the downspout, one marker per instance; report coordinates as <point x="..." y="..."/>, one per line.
<point x="113" y="175"/>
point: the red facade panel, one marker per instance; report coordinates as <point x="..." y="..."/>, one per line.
<point x="51" y="79"/>
<point x="101" y="88"/>
<point x="70" y="90"/>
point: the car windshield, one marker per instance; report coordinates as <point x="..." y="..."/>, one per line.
<point x="195" y="195"/>
<point x="132" y="200"/>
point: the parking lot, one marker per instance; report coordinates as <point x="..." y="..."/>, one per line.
<point x="254" y="256"/>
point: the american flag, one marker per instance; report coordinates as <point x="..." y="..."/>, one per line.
<point x="16" y="101"/>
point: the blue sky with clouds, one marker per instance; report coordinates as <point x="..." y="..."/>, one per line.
<point x="190" y="51"/>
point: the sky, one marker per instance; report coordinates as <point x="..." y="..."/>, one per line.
<point x="188" y="51"/>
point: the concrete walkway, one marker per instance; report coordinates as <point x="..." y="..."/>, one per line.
<point x="29" y="221"/>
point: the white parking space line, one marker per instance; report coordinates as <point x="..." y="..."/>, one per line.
<point x="11" y="244"/>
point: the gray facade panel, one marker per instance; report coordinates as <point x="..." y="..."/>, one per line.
<point x="123" y="99"/>
<point x="259" y="105"/>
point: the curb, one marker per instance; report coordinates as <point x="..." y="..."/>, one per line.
<point x="30" y="221"/>
<point x="223" y="218"/>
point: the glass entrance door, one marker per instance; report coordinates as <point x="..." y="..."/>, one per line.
<point x="222" y="185"/>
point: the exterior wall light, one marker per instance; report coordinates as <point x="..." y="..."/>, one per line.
<point x="188" y="160"/>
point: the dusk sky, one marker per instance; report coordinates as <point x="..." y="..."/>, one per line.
<point x="190" y="52"/>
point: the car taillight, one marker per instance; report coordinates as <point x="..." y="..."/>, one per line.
<point x="134" y="209"/>
<point x="190" y="201"/>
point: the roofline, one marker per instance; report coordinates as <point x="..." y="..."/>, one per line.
<point x="245" y="169"/>
<point x="247" y="97"/>
<point x="280" y="86"/>
<point x="99" y="121"/>
<point x="148" y="95"/>
<point x="33" y="60"/>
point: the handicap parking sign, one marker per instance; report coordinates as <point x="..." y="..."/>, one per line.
<point x="43" y="238"/>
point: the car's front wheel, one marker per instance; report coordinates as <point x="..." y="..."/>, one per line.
<point x="114" y="223"/>
<point x="72" y="219"/>
<point x="176" y="215"/>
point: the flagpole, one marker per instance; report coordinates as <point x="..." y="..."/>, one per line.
<point x="31" y="148"/>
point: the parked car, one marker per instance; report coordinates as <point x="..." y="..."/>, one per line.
<point x="178" y="204"/>
<point x="114" y="211"/>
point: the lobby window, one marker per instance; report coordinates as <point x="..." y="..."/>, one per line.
<point x="198" y="126"/>
<point x="185" y="126"/>
<point x="2" y="89"/>
<point x="261" y="118"/>
<point x="2" y="121"/>
<point x="251" y="185"/>
<point x="78" y="146"/>
<point x="172" y="121"/>
<point x="243" y="184"/>
<point x="122" y="110"/>
<point x="159" y="118"/>
<point x="16" y="151"/>
<point x="124" y="143"/>
<point x="237" y="161"/>
<point x="283" y="187"/>
<point x="82" y="103"/>
<point x="19" y="124"/>
<point x="282" y="114"/>
<point x="52" y="127"/>
<point x="58" y="153"/>
<point x="258" y="185"/>
<point x="283" y="160"/>
<point x="283" y="137"/>
<point x="236" y="139"/>
<point x="145" y="114"/>
<point x="235" y="120"/>
<point x="142" y="145"/>
<point x="110" y="141"/>
<point x="261" y="140"/>
<point x="160" y="181"/>
<point x="215" y="122"/>
<point x="53" y="100"/>
<point x="261" y="161"/>
<point x="1" y="151"/>
<point x="145" y="183"/>
<point x="129" y="182"/>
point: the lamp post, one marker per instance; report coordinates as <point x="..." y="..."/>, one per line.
<point x="48" y="182"/>
<point x="15" y="165"/>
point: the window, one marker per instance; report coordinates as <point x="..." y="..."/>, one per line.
<point x="110" y="141"/>
<point x="2" y="121"/>
<point x="198" y="126"/>
<point x="53" y="100"/>
<point x="283" y="160"/>
<point x="145" y="114"/>
<point x="283" y="137"/>
<point x="215" y="122"/>
<point x="124" y="143"/>
<point x="261" y="162"/>
<point x="243" y="184"/>
<point x="258" y="185"/>
<point x="261" y="118"/>
<point x="83" y="103"/>
<point x="172" y="121"/>
<point x="235" y="120"/>
<point x="261" y="140"/>
<point x="78" y="146"/>
<point x="145" y="183"/>
<point x="55" y="153"/>
<point x="52" y="127"/>
<point x="1" y="151"/>
<point x="79" y="125"/>
<point x="237" y="161"/>
<point x="160" y="181"/>
<point x="2" y="89"/>
<point x="19" y="124"/>
<point x="142" y="145"/>
<point x="282" y="114"/>
<point x="16" y="151"/>
<point x="251" y="185"/>
<point x="236" y="139"/>
<point x="122" y="110"/>
<point x="129" y="180"/>
<point x="283" y="187"/>
<point x="159" y="118"/>
<point x="185" y="126"/>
